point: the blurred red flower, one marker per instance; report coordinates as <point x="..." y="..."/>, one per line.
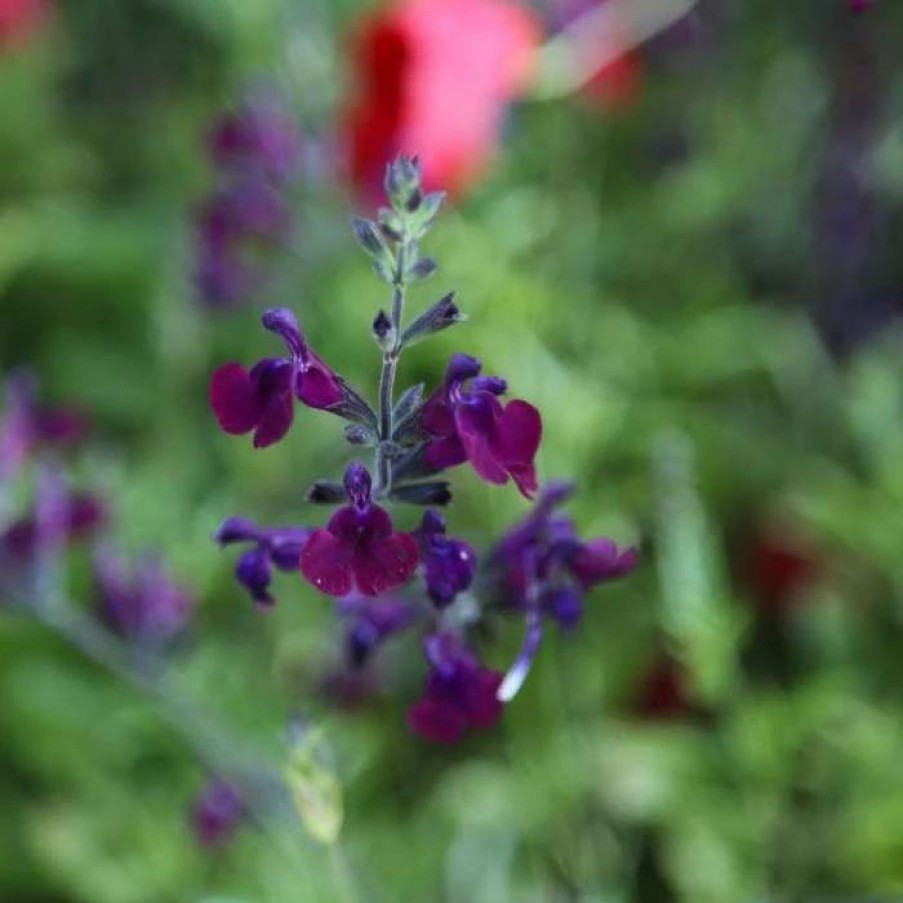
<point x="19" y="18"/>
<point x="778" y="567"/>
<point x="433" y="78"/>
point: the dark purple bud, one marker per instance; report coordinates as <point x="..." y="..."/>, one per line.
<point x="236" y="529"/>
<point x="384" y="331"/>
<point x="361" y="436"/>
<point x="326" y="492"/>
<point x="254" y="573"/>
<point x="449" y="565"/>
<point x="358" y="485"/>
<point x="565" y="605"/>
<point x="285" y="545"/>
<point x="284" y="323"/>
<point x="441" y="315"/>
<point x="421" y="269"/>
<point x="460" y="368"/>
<point x="433" y="493"/>
<point x="493" y="384"/>
<point x="217" y="813"/>
<point x="368" y="236"/>
<point x="362" y="641"/>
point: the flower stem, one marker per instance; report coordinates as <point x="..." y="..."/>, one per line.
<point x="387" y="376"/>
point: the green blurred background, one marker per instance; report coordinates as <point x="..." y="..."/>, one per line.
<point x="697" y="283"/>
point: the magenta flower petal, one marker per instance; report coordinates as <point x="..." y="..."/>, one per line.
<point x="326" y="562"/>
<point x="437" y="721"/>
<point x="481" y="703"/>
<point x="234" y="399"/>
<point x="519" y="433"/>
<point x="600" y="560"/>
<point x="275" y="420"/>
<point x="436" y="416"/>
<point x="476" y="423"/>
<point x="318" y="387"/>
<point x="387" y="563"/>
<point x="446" y="452"/>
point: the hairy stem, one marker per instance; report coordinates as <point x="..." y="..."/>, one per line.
<point x="387" y="376"/>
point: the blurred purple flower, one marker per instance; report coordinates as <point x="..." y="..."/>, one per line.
<point x="448" y="564"/>
<point x="472" y="425"/>
<point x="58" y="518"/>
<point x="359" y="547"/>
<point x="460" y="694"/>
<point x="543" y="570"/>
<point x="279" y="546"/>
<point x="257" y="150"/>
<point x="263" y="399"/>
<point x="260" y="135"/>
<point x="142" y="603"/>
<point x="217" y="813"/>
<point x="369" y="622"/>
<point x="26" y="424"/>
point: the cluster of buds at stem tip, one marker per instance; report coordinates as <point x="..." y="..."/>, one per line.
<point x="359" y="557"/>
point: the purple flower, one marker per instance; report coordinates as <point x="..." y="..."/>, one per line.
<point x="460" y="694"/>
<point x="448" y="564"/>
<point x="544" y="569"/>
<point x="142" y="604"/>
<point x="263" y="400"/>
<point x="257" y="150"/>
<point x="26" y="424"/>
<point x="359" y="548"/>
<point x="600" y="560"/>
<point x="216" y="813"/>
<point x="471" y="424"/>
<point x="59" y="518"/>
<point x="258" y="135"/>
<point x="279" y="546"/>
<point x="369" y="622"/>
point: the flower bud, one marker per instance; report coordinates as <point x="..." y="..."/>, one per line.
<point x="402" y="183"/>
<point x="326" y="492"/>
<point x="444" y="313"/>
<point x="434" y="493"/>
<point x="384" y="332"/>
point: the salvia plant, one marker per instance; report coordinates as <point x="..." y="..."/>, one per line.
<point x="387" y="581"/>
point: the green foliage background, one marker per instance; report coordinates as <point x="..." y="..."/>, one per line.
<point x="651" y="277"/>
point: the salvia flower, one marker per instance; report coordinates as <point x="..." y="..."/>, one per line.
<point x="434" y="78"/>
<point x="359" y="547"/>
<point x="257" y="151"/>
<point x="465" y="421"/>
<point x="142" y="603"/>
<point x="370" y="622"/>
<point x="279" y="546"/>
<point x="217" y="813"/>
<point x="544" y="569"/>
<point x="460" y="694"/>
<point x="58" y="518"/>
<point x="448" y="564"/>
<point x="26" y="424"/>
<point x="263" y="399"/>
